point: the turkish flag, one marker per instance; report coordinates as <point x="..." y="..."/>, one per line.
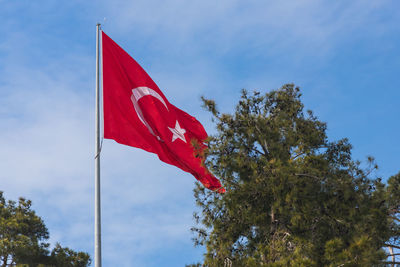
<point x="136" y="113"/>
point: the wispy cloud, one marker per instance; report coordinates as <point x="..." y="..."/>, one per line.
<point x="46" y="140"/>
<point x="309" y="25"/>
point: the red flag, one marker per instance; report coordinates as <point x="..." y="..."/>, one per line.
<point x="136" y="113"/>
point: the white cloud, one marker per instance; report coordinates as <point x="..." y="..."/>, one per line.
<point x="252" y="25"/>
<point x="47" y="147"/>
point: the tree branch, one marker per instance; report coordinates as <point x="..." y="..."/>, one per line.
<point x="298" y="155"/>
<point x="390" y="245"/>
<point x="394" y="254"/>
<point x="262" y="144"/>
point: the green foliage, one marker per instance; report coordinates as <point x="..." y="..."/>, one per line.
<point x="68" y="258"/>
<point x="293" y="197"/>
<point x="393" y="202"/>
<point x="22" y="239"/>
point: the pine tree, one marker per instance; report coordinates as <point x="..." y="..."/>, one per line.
<point x="293" y="198"/>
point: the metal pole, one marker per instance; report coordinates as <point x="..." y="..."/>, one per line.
<point x="97" y="210"/>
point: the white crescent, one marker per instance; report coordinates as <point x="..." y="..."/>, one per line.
<point x="137" y="94"/>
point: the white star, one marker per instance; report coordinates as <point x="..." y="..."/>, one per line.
<point x="178" y="132"/>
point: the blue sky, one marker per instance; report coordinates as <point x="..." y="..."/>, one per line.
<point x="343" y="54"/>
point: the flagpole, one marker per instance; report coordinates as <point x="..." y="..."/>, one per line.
<point x="97" y="210"/>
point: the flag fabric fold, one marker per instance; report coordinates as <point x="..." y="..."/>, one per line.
<point x="137" y="114"/>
